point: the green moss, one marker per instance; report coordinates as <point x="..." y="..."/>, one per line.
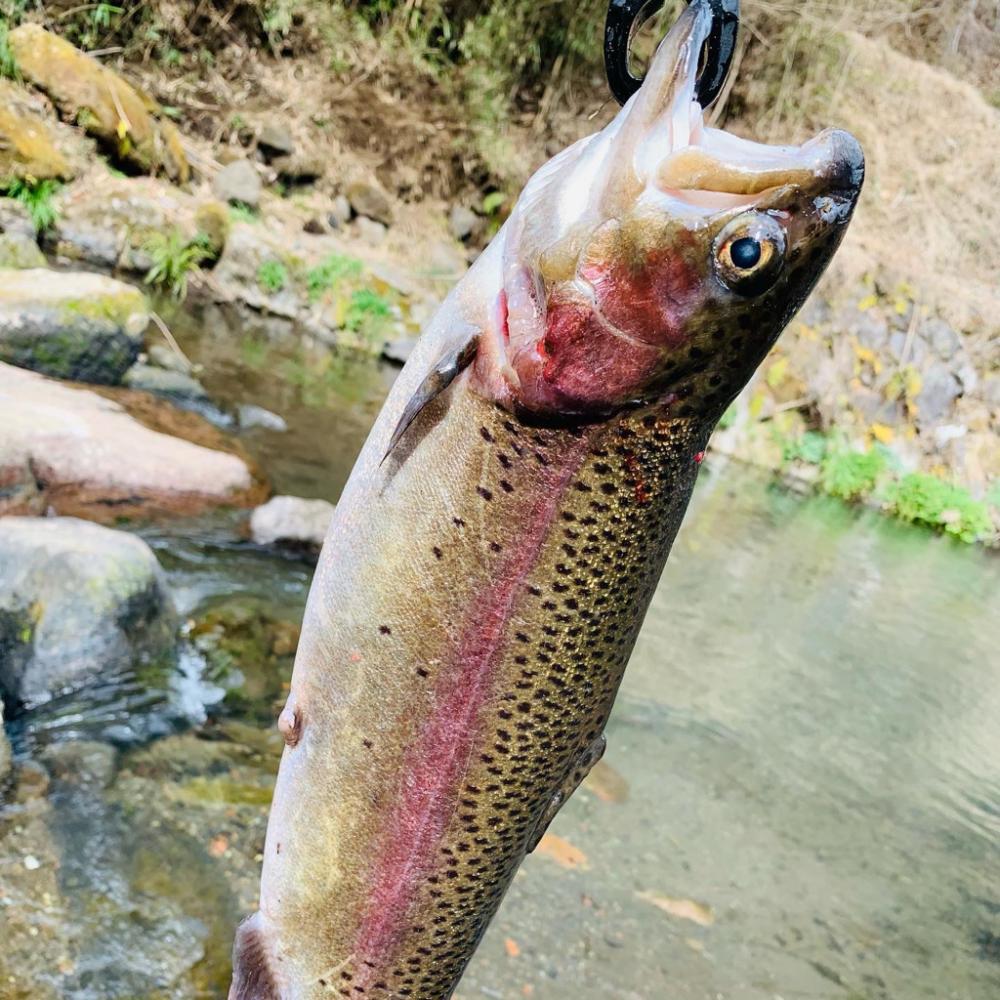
<point x="924" y="499"/>
<point x="810" y="447"/>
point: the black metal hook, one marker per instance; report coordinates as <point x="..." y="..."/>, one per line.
<point x="625" y="17"/>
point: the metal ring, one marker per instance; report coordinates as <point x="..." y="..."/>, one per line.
<point x="625" y="17"/>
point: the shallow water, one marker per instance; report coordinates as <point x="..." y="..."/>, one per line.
<point x="800" y="799"/>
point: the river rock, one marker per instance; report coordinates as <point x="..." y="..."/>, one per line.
<point x="939" y="391"/>
<point x="168" y="359"/>
<point x="19" y="252"/>
<point x="340" y="212"/>
<point x="164" y="382"/>
<point x="275" y="139"/>
<point x="79" y="452"/>
<point x="285" y="520"/>
<point x="78" y="603"/>
<point x="238" y="183"/>
<point x="942" y="337"/>
<point x="124" y="120"/>
<point x="372" y="232"/>
<point x="248" y="249"/>
<point x="79" y="326"/>
<point x="110" y="221"/>
<point x="368" y="199"/>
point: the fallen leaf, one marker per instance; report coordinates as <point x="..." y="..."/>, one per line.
<point x="882" y="433"/>
<point x="512" y="948"/>
<point x="562" y="852"/>
<point x="686" y="909"/>
<point x="606" y="783"/>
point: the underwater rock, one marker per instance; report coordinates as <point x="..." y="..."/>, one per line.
<point x="463" y="222"/>
<point x="285" y="520"/>
<point x="939" y="391"/>
<point x="252" y="417"/>
<point x="78" y="603"/>
<point x="164" y="382"/>
<point x="123" y="119"/>
<point x="79" y="326"/>
<point x="248" y="651"/>
<point x="275" y="140"/>
<point x="84" y="454"/>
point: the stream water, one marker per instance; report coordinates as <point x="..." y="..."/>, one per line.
<point x="800" y="799"/>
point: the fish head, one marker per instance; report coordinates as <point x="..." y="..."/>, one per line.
<point x="659" y="259"/>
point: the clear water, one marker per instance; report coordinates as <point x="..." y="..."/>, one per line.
<point x="801" y="796"/>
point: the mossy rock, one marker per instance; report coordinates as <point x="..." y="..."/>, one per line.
<point x="84" y="327"/>
<point x="122" y="118"/>
<point x="33" y="147"/>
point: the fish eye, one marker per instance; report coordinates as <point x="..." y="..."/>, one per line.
<point x="750" y="253"/>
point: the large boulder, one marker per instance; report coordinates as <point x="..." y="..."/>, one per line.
<point x="112" y="222"/>
<point x="78" y="603"/>
<point x="81" y="326"/>
<point x="124" y="120"/>
<point x="84" y="454"/>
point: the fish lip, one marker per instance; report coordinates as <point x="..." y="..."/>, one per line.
<point x="677" y="156"/>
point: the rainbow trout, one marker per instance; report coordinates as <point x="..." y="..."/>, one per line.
<point x="495" y="550"/>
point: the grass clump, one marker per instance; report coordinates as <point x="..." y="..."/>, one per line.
<point x="368" y="313"/>
<point x="328" y="274"/>
<point x="272" y="277"/>
<point x="920" y="498"/>
<point x="174" y="258"/>
<point x="39" y="199"/>
<point x="851" y="475"/>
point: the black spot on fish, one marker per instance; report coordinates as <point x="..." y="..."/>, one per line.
<point x="438" y="554"/>
<point x="385" y="630"/>
<point x="484" y="493"/>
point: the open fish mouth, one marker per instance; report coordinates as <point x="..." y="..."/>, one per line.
<point x="685" y="161"/>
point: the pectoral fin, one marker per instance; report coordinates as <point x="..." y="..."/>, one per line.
<point x="570" y="784"/>
<point x="447" y="368"/>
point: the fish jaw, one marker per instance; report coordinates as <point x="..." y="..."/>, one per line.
<point x="606" y="273"/>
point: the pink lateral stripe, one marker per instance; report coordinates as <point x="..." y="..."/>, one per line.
<point x="440" y="755"/>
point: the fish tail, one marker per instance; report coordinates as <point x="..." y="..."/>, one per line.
<point x="253" y="978"/>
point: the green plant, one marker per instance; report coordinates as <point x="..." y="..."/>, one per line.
<point x="328" y="274"/>
<point x="810" y="448"/>
<point x="174" y="257"/>
<point x="272" y="276"/>
<point x="39" y="199"/>
<point x="243" y="213"/>
<point x="924" y="499"/>
<point x="8" y="64"/>
<point x="851" y="475"/>
<point x="367" y="312"/>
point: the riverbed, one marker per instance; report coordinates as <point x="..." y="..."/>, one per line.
<point x="800" y="798"/>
